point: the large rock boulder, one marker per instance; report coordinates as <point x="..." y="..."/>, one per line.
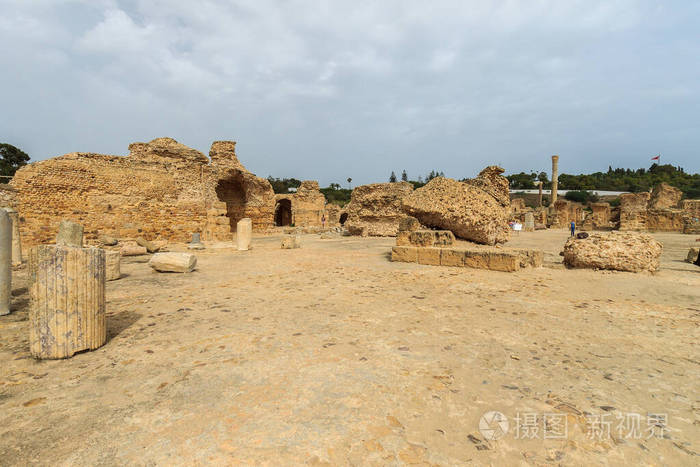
<point x="618" y="251"/>
<point x="475" y="210"/>
<point x="375" y="209"/>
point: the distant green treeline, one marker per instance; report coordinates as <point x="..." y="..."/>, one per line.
<point x="615" y="180"/>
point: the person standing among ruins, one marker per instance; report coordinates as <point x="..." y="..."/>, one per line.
<point x="573" y="228"/>
<point x="323" y="221"/>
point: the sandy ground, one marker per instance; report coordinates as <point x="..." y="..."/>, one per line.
<point x="331" y="354"/>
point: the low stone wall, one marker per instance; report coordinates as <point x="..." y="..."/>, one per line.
<point x="501" y="259"/>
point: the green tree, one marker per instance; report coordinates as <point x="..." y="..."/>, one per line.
<point x="11" y="159"/>
<point x="349" y="183"/>
<point x="404" y="176"/>
<point x="392" y="177"/>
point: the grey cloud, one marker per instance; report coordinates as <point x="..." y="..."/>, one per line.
<point x="328" y="90"/>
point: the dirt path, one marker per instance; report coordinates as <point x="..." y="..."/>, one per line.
<point x="333" y="354"/>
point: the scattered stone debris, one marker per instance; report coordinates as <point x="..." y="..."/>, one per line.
<point x="149" y="246"/>
<point x="290" y="242"/>
<point x="173" y="262"/>
<point x="106" y="240"/>
<point x="425" y="238"/>
<point x="618" y="251"/>
<point x="132" y="249"/>
<point x="692" y="254"/>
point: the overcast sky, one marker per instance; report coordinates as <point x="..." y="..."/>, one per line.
<point x="331" y="89"/>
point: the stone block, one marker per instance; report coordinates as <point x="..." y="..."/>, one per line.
<point x="406" y="254"/>
<point x="149" y="246"/>
<point x="429" y="256"/>
<point x="132" y="249"/>
<point x="173" y="262"/>
<point x="112" y="265"/>
<point x="403" y="238"/>
<point x="692" y="254"/>
<point x="291" y="242"/>
<point x="70" y="234"/>
<point x="452" y="257"/>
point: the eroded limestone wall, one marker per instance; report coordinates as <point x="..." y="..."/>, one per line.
<point x="163" y="189"/>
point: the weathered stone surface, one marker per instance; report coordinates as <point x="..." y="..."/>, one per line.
<point x="244" y="234"/>
<point x="409" y="224"/>
<point x="106" y="240"/>
<point x="162" y="189"/>
<point x="502" y="259"/>
<point x="476" y="210"/>
<point x="529" y="222"/>
<point x="173" y="262"/>
<point x="426" y="238"/>
<point x="70" y="234"/>
<point x="132" y="249"/>
<point x="290" y="242"/>
<point x="405" y="254"/>
<point x="5" y="262"/>
<point x="665" y="196"/>
<point x="112" y="265"/>
<point x="375" y="210"/>
<point x="429" y="256"/>
<point x="633" y="211"/>
<point x="150" y="247"/>
<point x="16" y="237"/>
<point x="67" y="291"/>
<point x="692" y="254"/>
<point x="304" y="208"/>
<point x="620" y="251"/>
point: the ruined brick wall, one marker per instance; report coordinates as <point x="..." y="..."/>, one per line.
<point x="633" y="211"/>
<point x="307" y="206"/>
<point x="664" y="220"/>
<point x="161" y="190"/>
<point x="376" y="209"/>
<point x="8" y="196"/>
<point x="691" y="207"/>
<point x="567" y="211"/>
<point x="600" y="218"/>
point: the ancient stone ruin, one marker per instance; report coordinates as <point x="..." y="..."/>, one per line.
<point x="305" y="208"/>
<point x="376" y="209"/>
<point x="658" y="211"/>
<point x="475" y="210"/>
<point x="162" y="189"/>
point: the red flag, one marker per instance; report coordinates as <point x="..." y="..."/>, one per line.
<point x="655" y="158"/>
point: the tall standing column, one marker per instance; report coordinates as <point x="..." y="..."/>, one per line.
<point x="16" y="239"/>
<point x="5" y="262"/>
<point x="555" y="179"/>
<point x="539" y="198"/>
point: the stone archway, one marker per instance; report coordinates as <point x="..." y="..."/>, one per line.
<point x="231" y="192"/>
<point x="283" y="212"/>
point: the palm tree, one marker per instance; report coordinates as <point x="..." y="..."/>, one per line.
<point x="349" y="182"/>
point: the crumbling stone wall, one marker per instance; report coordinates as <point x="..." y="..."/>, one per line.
<point x="601" y="216"/>
<point x="307" y="206"/>
<point x="8" y="196"/>
<point x="162" y="189"/>
<point x="375" y="209"/>
<point x="564" y="212"/>
<point x="659" y="211"/>
<point x="633" y="211"/>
